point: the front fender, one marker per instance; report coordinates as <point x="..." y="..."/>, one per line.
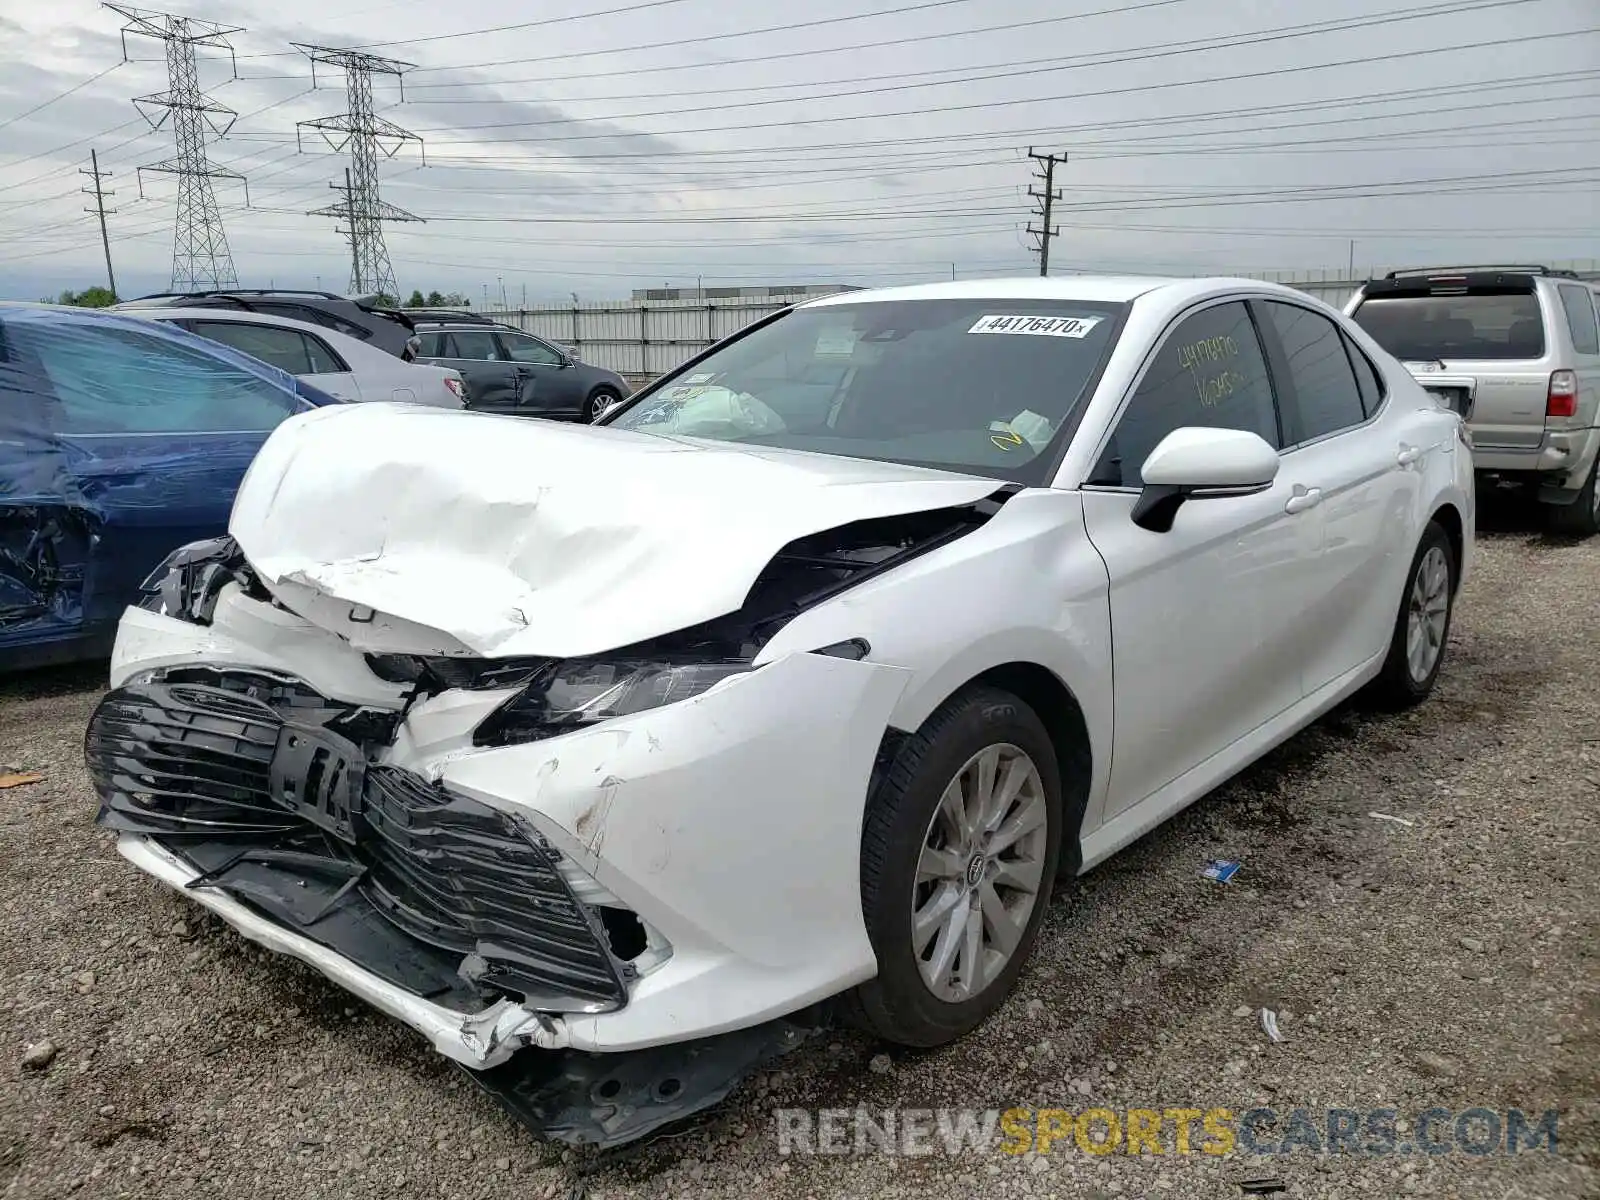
<point x="1027" y="586"/>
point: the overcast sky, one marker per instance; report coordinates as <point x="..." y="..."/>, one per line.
<point x="612" y="144"/>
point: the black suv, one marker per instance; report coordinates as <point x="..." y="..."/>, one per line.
<point x="386" y="328"/>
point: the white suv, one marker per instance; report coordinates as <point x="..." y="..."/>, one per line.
<point x="1518" y="350"/>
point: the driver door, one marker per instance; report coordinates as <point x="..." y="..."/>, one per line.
<point x="1208" y="618"/>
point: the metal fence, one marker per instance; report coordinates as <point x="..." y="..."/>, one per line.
<point x="641" y="339"/>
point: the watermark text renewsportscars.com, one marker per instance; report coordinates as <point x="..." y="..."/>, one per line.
<point x="914" y="1132"/>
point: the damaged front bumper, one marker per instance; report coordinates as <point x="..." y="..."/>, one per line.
<point x="471" y="892"/>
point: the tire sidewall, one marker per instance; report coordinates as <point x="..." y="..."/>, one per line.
<point x="1433" y="536"/>
<point x="985" y="719"/>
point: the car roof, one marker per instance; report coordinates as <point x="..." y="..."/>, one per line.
<point x="468" y="327"/>
<point x="240" y="316"/>
<point x="1114" y="289"/>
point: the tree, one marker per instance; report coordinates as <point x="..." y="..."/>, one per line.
<point x="416" y="300"/>
<point x="435" y="300"/>
<point x="90" y="297"/>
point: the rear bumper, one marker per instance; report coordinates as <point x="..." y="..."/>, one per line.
<point x="1564" y="458"/>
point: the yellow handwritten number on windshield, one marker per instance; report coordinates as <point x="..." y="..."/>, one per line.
<point x="1006" y="440"/>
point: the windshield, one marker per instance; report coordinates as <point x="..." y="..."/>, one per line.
<point x="1489" y="325"/>
<point x="979" y="386"/>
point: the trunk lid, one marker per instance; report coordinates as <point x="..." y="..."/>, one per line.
<point x="412" y="530"/>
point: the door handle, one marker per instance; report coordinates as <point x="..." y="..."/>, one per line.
<point x="1303" y="499"/>
<point x="1408" y="455"/>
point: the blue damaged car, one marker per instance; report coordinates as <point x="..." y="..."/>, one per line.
<point x="120" y="441"/>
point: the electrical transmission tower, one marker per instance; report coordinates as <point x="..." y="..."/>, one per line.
<point x="360" y="207"/>
<point x="200" y="255"/>
<point x="1046" y="199"/>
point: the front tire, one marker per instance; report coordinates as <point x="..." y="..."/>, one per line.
<point x="1422" y="628"/>
<point x="958" y="856"/>
<point x="601" y="401"/>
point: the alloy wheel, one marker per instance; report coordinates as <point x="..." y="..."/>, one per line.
<point x="1427" y="614"/>
<point x="979" y="872"/>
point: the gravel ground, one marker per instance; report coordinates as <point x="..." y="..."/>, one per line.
<point x="1449" y="962"/>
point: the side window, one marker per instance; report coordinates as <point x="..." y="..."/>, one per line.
<point x="1325" y="396"/>
<point x="1209" y="372"/>
<point x="480" y="347"/>
<point x="434" y="345"/>
<point x="1368" y="378"/>
<point x="117" y="381"/>
<point x="321" y="356"/>
<point x="283" y="348"/>
<point x="524" y="349"/>
<point x="1579" y="305"/>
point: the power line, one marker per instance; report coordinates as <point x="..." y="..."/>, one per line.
<point x="1011" y="134"/>
<point x="1013" y="68"/>
<point x="748" y="127"/>
<point x="200" y="255"/>
<point x="75" y="88"/>
<point x="811" y="24"/>
<point x="466" y="33"/>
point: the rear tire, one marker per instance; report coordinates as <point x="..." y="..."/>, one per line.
<point x="1422" y="627"/>
<point x="1581" y="518"/>
<point x="953" y="916"/>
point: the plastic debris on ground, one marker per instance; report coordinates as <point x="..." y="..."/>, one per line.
<point x="1262" y="1187"/>
<point x="1378" y="816"/>
<point x="1220" y="869"/>
<point x="10" y="780"/>
<point x="1269" y="1023"/>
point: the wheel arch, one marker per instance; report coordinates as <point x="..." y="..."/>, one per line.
<point x="1449" y="519"/>
<point x="1042" y="690"/>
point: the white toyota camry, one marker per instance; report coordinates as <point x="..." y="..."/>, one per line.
<point x="616" y="759"/>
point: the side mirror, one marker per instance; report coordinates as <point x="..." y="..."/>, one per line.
<point x="1198" y="463"/>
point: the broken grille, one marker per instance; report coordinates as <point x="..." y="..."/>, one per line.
<point x="459" y="874"/>
<point x="210" y="766"/>
<point x="185" y="759"/>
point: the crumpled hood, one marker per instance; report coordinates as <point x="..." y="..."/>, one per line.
<point x="525" y="537"/>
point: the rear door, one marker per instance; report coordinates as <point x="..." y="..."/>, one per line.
<point x="546" y="385"/>
<point x="1489" y="325"/>
<point x="490" y="379"/>
<point x="289" y="350"/>
<point x="1364" y="470"/>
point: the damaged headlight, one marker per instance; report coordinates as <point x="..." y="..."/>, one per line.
<point x="186" y="584"/>
<point x="578" y="692"/>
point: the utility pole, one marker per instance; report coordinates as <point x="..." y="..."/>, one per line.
<point x="100" y="193"/>
<point x="200" y="254"/>
<point x="365" y="135"/>
<point x="346" y="208"/>
<point x="1046" y="199"/>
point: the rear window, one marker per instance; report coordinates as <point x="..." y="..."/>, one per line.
<point x="1478" y="325"/>
<point x="1579" y="308"/>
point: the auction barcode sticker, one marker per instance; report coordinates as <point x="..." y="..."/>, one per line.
<point x="1072" y="327"/>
